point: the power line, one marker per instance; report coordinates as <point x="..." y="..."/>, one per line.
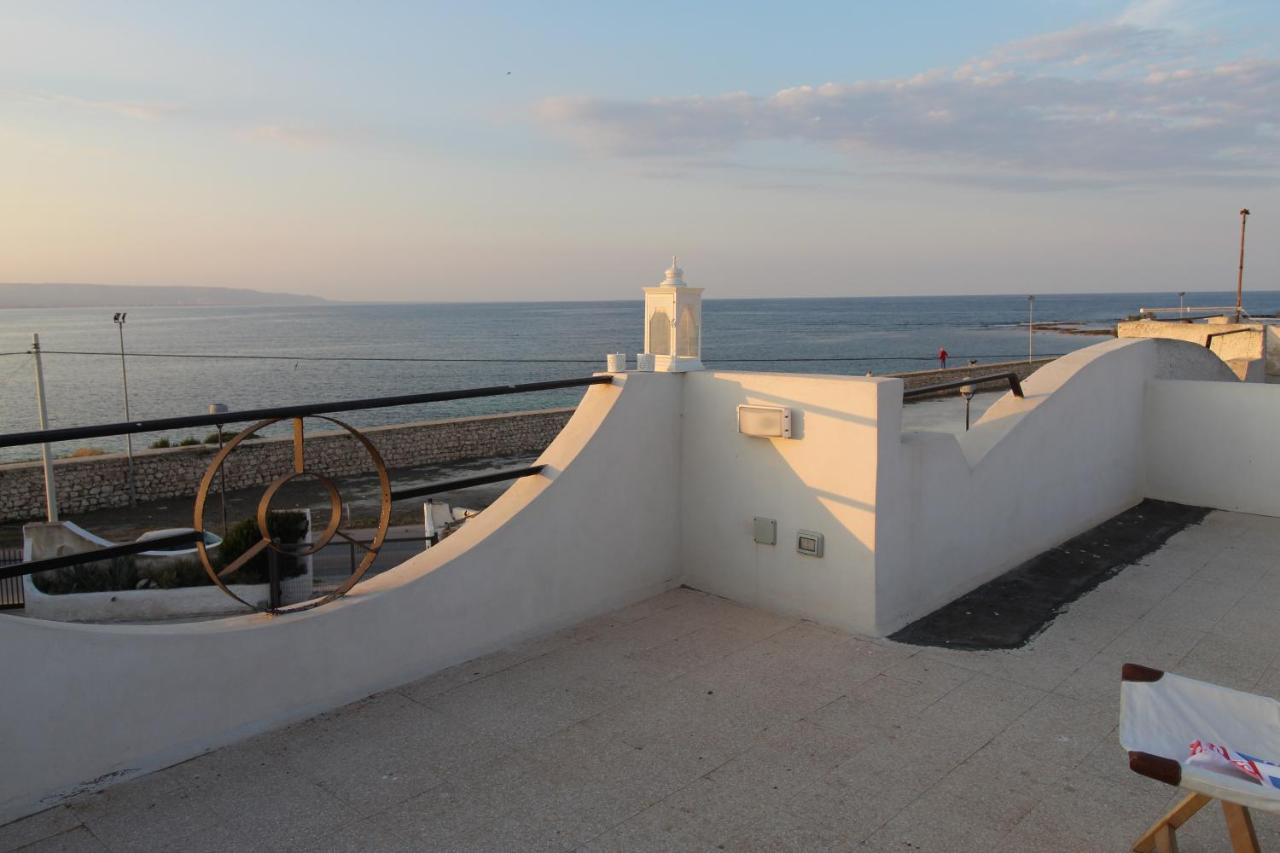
<point x="428" y="359"/>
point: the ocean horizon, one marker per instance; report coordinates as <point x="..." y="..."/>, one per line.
<point x="184" y="358"/>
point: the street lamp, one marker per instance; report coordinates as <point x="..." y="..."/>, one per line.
<point x="118" y="319"/>
<point x="1181" y="306"/>
<point x="221" y="409"/>
<point x="967" y="391"/>
<point x="1031" y="328"/>
<point x="1244" y="216"/>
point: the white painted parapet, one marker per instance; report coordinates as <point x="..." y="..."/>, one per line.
<point x="650" y="485"/>
<point x="595" y="531"/>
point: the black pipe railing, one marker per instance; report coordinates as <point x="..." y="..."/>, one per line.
<point x="17" y="439"/>
<point x="111" y="552"/>
<point x="1012" y="378"/>
<point x="466" y="482"/>
<point x="72" y="433"/>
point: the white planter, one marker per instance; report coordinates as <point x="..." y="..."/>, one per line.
<point x="131" y="605"/>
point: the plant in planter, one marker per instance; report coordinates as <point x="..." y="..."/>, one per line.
<point x="286" y="527"/>
<point x="125" y="573"/>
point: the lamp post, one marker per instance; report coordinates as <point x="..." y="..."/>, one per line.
<point x="1244" y="216"/>
<point x="221" y="409"/>
<point x="1181" y="304"/>
<point x="118" y="319"/>
<point x="967" y="391"/>
<point x="1031" y="328"/>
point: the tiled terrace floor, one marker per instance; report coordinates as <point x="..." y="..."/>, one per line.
<point x="688" y="723"/>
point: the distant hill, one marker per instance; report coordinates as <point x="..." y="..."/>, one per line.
<point x="129" y="296"/>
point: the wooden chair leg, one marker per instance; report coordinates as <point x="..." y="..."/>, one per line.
<point x="1162" y="831"/>
<point x="1240" y="828"/>
<point x="1166" y="839"/>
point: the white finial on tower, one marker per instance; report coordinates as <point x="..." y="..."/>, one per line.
<point x="674" y="274"/>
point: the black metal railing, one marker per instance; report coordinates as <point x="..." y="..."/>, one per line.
<point x="1015" y="385"/>
<point x="11" y="592"/>
<point x="17" y="439"/>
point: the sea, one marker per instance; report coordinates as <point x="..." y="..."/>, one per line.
<point x="180" y="360"/>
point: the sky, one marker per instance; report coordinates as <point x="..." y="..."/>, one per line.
<point x="565" y="150"/>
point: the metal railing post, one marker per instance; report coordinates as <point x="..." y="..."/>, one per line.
<point x="273" y="577"/>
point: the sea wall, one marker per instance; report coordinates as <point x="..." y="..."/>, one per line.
<point x="100" y="482"/>
<point x="921" y="378"/>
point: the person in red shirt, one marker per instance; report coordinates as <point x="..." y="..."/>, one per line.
<point x="942" y="358"/>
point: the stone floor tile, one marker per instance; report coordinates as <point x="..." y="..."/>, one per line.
<point x="1058" y="730"/>
<point x="1228" y="661"/>
<point x="126" y="815"/>
<point x="1195" y="605"/>
<point x="714" y="812"/>
<point x="938" y="823"/>
<point x="506" y="834"/>
<point x="567" y="807"/>
<point x="276" y="807"/>
<point x="658" y="829"/>
<point x="36" y="827"/>
<point x="77" y="840"/>
<point x="1154" y="642"/>
<point x="463" y="673"/>
<point x="699" y="648"/>
<point x="370" y="834"/>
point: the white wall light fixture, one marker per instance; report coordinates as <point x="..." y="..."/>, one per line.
<point x="764" y="421"/>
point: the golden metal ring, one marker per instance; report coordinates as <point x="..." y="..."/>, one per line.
<point x="335" y="518"/>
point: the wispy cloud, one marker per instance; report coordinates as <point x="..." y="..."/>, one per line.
<point x="141" y="110"/>
<point x="1120" y="101"/>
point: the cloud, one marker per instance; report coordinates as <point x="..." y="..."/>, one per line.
<point x="1095" y="105"/>
<point x="141" y="110"/>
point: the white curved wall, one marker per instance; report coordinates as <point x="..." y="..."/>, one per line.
<point x="650" y="484"/>
<point x="83" y="702"/>
<point x="955" y="511"/>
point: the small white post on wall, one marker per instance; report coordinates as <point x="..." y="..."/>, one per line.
<point x="673" y="324"/>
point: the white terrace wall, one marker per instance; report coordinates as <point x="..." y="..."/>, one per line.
<point x="99" y="482"/>
<point x="1214" y="444"/>
<point x="594" y="532"/>
<point x="823" y="479"/>
<point x="956" y="511"/>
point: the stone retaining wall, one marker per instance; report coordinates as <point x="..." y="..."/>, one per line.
<point x="100" y="482"/>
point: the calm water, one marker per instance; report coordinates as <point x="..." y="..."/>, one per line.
<point x="879" y="334"/>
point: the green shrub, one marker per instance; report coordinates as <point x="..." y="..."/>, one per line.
<point x="102" y="576"/>
<point x="287" y="527"/>
<point x="160" y="442"/>
<point x="188" y="441"/>
<point x="212" y="438"/>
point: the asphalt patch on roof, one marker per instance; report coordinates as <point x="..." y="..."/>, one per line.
<point x="1007" y="612"/>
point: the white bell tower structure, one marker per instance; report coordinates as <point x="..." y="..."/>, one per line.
<point x="673" y="323"/>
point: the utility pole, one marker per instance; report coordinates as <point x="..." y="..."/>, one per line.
<point x="50" y="487"/>
<point x="1244" y="216"/>
<point x="118" y="319"/>
<point x="1031" y="328"/>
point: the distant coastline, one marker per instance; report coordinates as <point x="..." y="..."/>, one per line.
<point x="56" y="295"/>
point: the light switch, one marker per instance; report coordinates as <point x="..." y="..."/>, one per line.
<point x="766" y="531"/>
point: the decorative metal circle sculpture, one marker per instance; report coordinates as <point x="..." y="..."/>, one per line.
<point x="332" y="529"/>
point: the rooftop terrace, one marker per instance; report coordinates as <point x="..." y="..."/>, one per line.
<point x="687" y="722"/>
